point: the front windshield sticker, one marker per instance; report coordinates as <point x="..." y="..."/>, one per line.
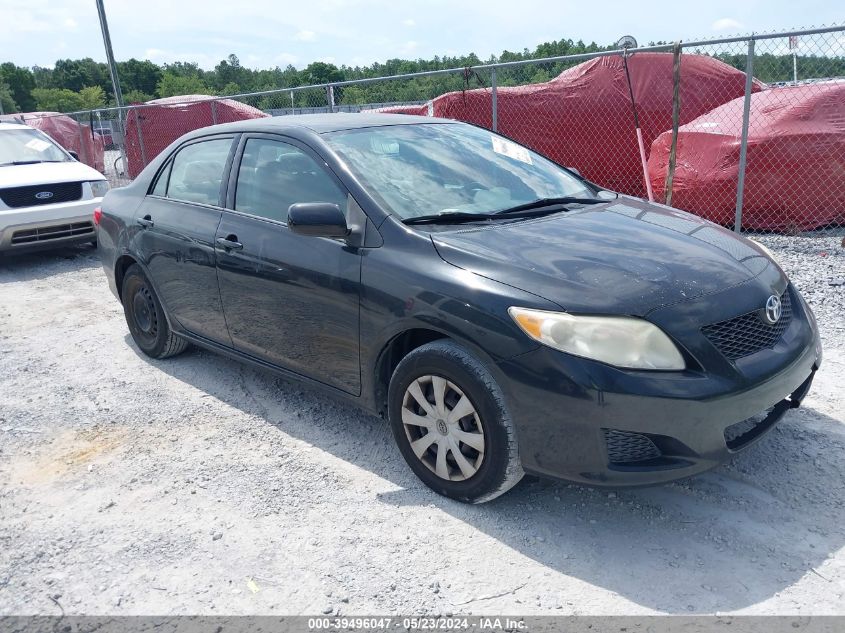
<point x="511" y="150"/>
<point x="38" y="144"/>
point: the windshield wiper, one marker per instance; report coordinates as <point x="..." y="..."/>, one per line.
<point x="461" y="217"/>
<point x="448" y="217"/>
<point x="29" y="162"/>
<point x="548" y="202"/>
<point x="536" y="208"/>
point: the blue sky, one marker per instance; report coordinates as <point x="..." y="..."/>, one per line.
<point x="266" y="33"/>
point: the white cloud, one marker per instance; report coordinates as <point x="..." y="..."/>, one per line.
<point x="726" y="24"/>
<point x="71" y="24"/>
<point x="305" y="36"/>
<point x="408" y="22"/>
<point x="286" y="58"/>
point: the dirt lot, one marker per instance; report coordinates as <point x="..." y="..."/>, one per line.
<point x="196" y="485"/>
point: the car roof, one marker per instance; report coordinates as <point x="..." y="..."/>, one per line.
<point x="322" y="123"/>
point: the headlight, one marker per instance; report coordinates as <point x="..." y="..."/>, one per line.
<point x="621" y="341"/>
<point x="99" y="188"/>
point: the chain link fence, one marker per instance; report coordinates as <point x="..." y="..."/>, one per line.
<point x="748" y="132"/>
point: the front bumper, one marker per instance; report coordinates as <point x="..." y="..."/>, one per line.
<point x="48" y="226"/>
<point x="571" y="414"/>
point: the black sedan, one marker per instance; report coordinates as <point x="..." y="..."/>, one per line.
<point x="504" y="314"/>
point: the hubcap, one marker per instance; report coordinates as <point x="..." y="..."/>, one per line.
<point x="443" y="428"/>
<point x="143" y="309"/>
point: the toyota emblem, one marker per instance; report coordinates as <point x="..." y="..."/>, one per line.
<point x="44" y="195"/>
<point x="773" y="309"/>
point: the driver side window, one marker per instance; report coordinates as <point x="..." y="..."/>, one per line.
<point x="273" y="175"/>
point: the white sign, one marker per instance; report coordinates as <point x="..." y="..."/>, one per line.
<point x="511" y="150"/>
<point x="38" y="145"/>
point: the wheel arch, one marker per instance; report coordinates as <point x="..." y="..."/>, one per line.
<point x="121" y="265"/>
<point x="392" y="353"/>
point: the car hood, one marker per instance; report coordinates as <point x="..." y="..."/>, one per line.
<point x="46" y="173"/>
<point x="624" y="257"/>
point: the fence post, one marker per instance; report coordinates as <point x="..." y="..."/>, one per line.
<point x="330" y="97"/>
<point x="214" y="112"/>
<point x="743" y="144"/>
<point x="140" y="139"/>
<point x="676" y="119"/>
<point x="494" y="96"/>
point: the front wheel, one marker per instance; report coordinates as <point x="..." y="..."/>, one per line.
<point x="451" y="423"/>
<point x="145" y="317"/>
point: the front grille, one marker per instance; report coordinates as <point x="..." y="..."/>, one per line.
<point x="17" y="197"/>
<point x="748" y="333"/>
<point x="57" y="231"/>
<point x="624" y="447"/>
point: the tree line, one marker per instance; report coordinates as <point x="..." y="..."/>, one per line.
<point x="83" y="84"/>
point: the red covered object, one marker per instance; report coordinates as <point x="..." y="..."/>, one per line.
<point x="795" y="169"/>
<point x="73" y="136"/>
<point x="162" y="121"/>
<point x="583" y="117"/>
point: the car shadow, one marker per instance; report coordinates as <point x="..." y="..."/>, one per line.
<point x="42" y="264"/>
<point x="722" y="541"/>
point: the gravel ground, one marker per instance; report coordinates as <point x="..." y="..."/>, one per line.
<point x="200" y="486"/>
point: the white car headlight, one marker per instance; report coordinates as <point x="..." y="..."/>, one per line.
<point x="620" y="341"/>
<point x="99" y="188"/>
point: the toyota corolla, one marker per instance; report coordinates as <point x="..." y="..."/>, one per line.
<point x="504" y="314"/>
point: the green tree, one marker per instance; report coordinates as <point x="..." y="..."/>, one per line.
<point x="21" y="82"/>
<point x="7" y="102"/>
<point x="136" y="96"/>
<point x="92" y="97"/>
<point x="57" y="100"/>
<point x="230" y="88"/>
<point x="141" y="76"/>
<point x="172" y="85"/>
<point x="76" y="74"/>
<point x="230" y="71"/>
<point x="43" y="77"/>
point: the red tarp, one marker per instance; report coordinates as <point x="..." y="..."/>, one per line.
<point x="73" y="136"/>
<point x="583" y="117"/>
<point x="162" y="121"/>
<point x="795" y="169"/>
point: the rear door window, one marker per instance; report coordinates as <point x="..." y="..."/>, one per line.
<point x="197" y="172"/>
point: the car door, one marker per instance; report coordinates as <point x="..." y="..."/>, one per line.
<point x="289" y="299"/>
<point x="178" y="221"/>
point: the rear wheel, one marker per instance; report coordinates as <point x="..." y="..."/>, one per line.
<point x="145" y="317"/>
<point x="450" y="421"/>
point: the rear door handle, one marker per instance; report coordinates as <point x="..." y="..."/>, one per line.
<point x="146" y="222"/>
<point x="230" y="243"/>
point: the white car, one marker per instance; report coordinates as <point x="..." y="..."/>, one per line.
<point x="47" y="197"/>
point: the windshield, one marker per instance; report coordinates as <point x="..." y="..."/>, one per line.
<point x="426" y="169"/>
<point x="28" y="146"/>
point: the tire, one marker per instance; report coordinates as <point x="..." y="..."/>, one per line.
<point x="145" y="317"/>
<point x="469" y="423"/>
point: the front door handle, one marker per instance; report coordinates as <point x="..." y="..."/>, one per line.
<point x="230" y="243"/>
<point x="146" y="222"/>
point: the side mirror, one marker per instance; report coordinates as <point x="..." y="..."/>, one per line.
<point x="73" y="155"/>
<point x="574" y="171"/>
<point x="317" y="219"/>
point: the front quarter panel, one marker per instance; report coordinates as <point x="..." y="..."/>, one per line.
<point x="408" y="286"/>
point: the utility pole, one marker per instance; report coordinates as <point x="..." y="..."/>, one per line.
<point x="115" y="82"/>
